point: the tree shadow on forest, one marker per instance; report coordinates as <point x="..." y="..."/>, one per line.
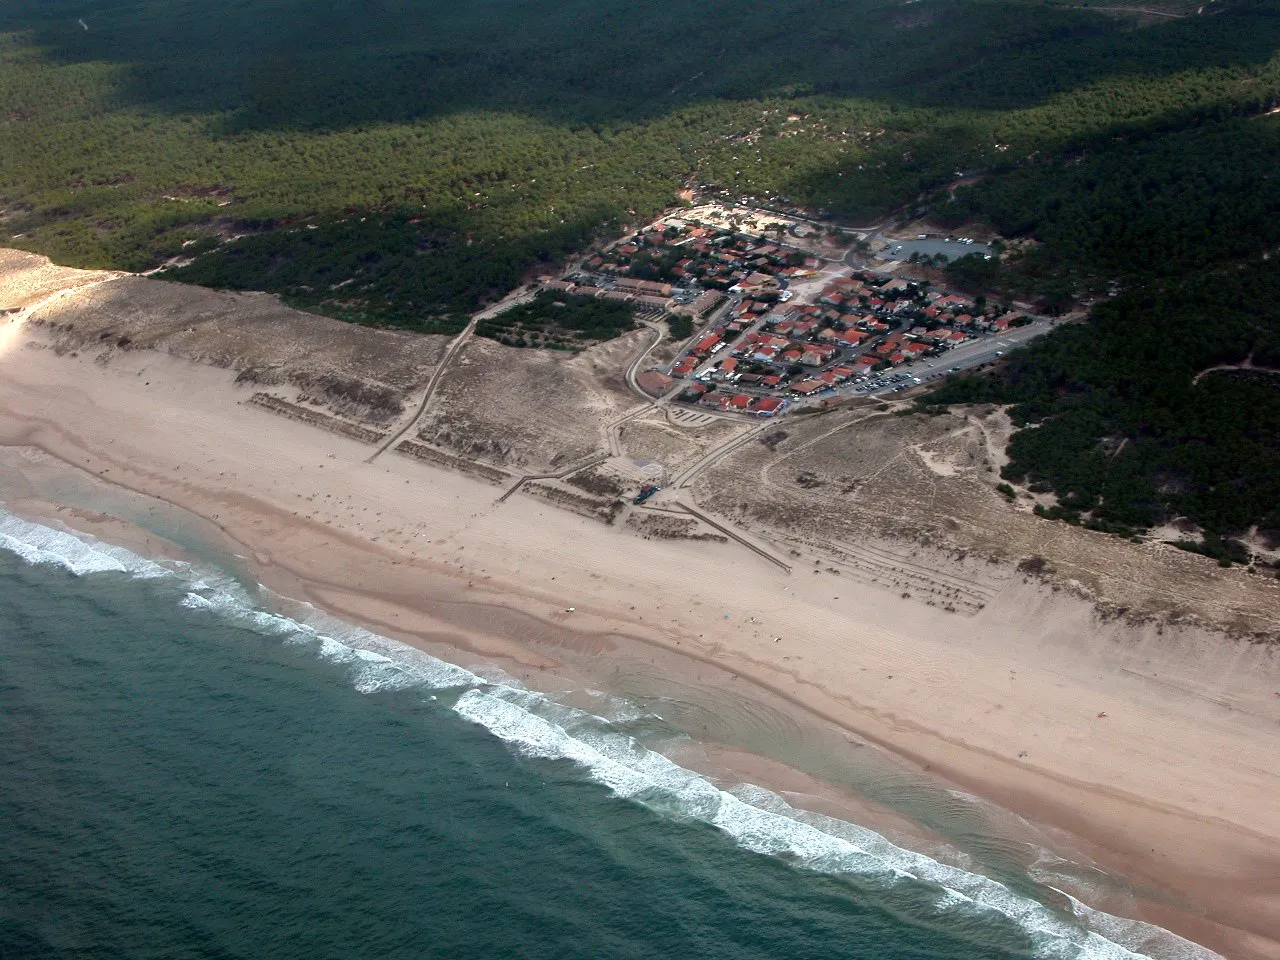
<point x="331" y="64"/>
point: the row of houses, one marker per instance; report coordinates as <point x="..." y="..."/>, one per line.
<point x="728" y="401"/>
<point x="651" y="297"/>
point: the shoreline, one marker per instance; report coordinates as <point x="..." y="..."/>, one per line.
<point x="505" y="615"/>
<point x="725" y="766"/>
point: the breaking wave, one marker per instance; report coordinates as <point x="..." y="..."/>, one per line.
<point x="764" y="823"/>
<point x="537" y="725"/>
<point x="75" y="553"/>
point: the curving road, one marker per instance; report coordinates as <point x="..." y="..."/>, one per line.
<point x="634" y="370"/>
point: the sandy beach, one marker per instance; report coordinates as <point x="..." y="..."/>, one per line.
<point x="1150" y="750"/>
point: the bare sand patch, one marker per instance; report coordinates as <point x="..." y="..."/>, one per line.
<point x="853" y="487"/>
<point x="530" y="409"/>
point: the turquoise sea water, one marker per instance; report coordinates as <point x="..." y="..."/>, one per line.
<point x="186" y="775"/>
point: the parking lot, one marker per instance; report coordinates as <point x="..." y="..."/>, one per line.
<point x="965" y="357"/>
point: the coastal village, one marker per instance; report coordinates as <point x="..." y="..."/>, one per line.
<point x="776" y="324"/>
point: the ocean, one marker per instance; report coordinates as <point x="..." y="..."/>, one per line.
<point x="185" y="773"/>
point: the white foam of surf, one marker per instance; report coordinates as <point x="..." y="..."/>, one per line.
<point x="77" y="553"/>
<point x="763" y="822"/>
<point x="375" y="663"/>
<point x="539" y="726"/>
<point x="1140" y="936"/>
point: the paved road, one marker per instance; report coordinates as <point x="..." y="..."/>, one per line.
<point x="680" y="384"/>
<point x="711" y="361"/>
<point x="634" y="370"/>
<point x="717" y="317"/>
